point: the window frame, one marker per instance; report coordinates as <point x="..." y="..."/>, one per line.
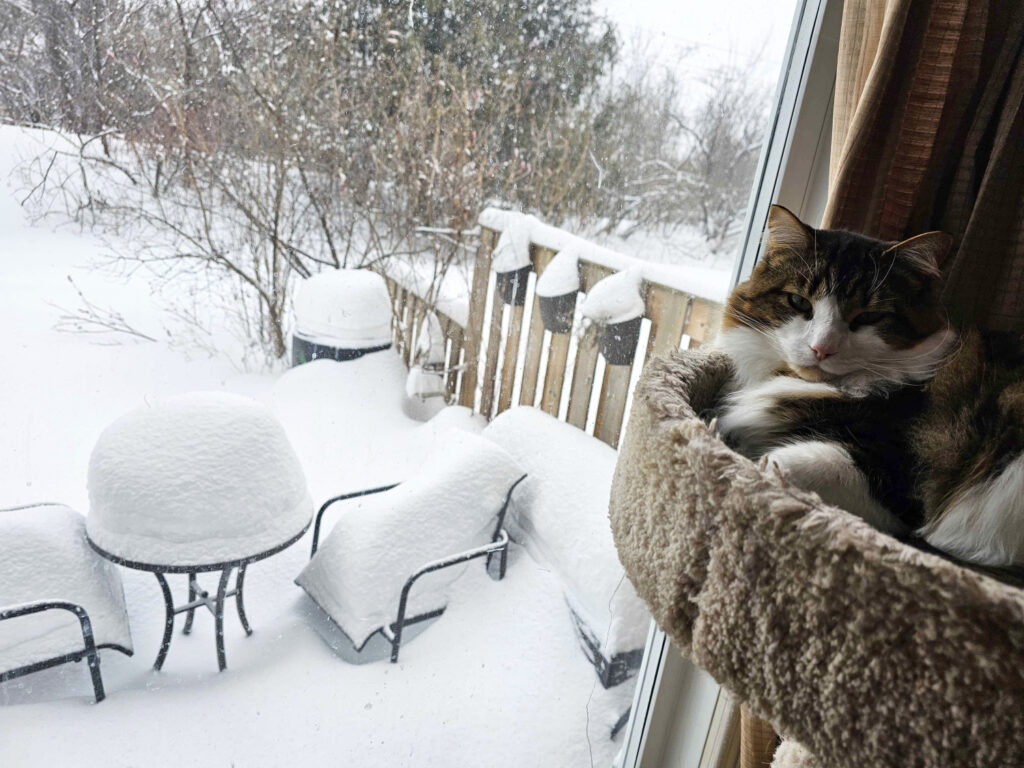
<point x="674" y="702"/>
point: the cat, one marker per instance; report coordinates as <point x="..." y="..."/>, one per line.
<point x="850" y="377"/>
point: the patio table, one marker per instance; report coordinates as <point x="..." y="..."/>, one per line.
<point x="198" y="597"/>
<point x="199" y="483"/>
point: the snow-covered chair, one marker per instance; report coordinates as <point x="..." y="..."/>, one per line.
<point x="389" y="540"/>
<point x="59" y="601"/>
<point x="561" y="517"/>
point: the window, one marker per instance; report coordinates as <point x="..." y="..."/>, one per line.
<point x="300" y="293"/>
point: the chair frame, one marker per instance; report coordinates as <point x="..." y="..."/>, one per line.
<point x="497" y="546"/>
<point x="89" y="651"/>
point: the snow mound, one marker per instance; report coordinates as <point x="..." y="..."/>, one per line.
<point x="378" y="541"/>
<point x="46" y="557"/>
<point x="196" y="479"/>
<point x="561" y="276"/>
<point x="560" y="513"/>
<point x="455" y="417"/>
<point x="512" y="251"/>
<point x="350" y="307"/>
<point x="615" y="299"/>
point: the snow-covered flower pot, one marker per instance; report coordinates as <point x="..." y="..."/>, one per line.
<point x="557" y="311"/>
<point x="617" y="305"/>
<point x="618" y="341"/>
<point x="195" y="480"/>
<point x="341" y="314"/>
<point x="557" y="288"/>
<point x="511" y="286"/>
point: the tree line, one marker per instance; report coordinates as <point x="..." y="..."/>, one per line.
<point x="271" y="139"/>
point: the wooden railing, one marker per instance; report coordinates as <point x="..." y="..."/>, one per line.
<point x="487" y="368"/>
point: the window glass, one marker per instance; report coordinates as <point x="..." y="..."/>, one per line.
<point x="258" y="257"/>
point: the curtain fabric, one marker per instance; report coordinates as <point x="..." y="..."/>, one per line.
<point x="928" y="133"/>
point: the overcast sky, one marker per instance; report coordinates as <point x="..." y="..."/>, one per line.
<point x="717" y="31"/>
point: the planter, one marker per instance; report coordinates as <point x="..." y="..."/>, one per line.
<point x="304" y="351"/>
<point x="557" y="311"/>
<point x="618" y="341"/>
<point x="511" y="286"/>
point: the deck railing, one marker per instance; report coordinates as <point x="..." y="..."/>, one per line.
<point x="562" y="372"/>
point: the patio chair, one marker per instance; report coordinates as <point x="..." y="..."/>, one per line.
<point x="59" y="601"/>
<point x="561" y="518"/>
<point x="392" y="553"/>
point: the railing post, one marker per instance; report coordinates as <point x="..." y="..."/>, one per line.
<point x="541" y="257"/>
<point x="475" y="326"/>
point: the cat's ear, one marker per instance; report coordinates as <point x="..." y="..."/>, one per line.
<point x="786" y="232"/>
<point x="925" y="253"/>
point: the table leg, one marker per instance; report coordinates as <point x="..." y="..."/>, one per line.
<point x="192" y="592"/>
<point x="222" y="587"/>
<point x="239" y="582"/>
<point x="165" y="644"/>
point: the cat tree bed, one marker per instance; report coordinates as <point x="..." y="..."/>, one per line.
<point x="861" y="650"/>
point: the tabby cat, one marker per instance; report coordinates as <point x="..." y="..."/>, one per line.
<point x="851" y="378"/>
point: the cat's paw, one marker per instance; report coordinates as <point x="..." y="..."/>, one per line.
<point x="753" y="418"/>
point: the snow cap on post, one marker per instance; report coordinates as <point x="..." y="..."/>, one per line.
<point x="617" y="305"/>
<point x="556" y="290"/>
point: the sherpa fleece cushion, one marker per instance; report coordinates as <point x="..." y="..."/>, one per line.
<point x="864" y="650"/>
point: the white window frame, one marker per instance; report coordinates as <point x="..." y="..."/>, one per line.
<point x="674" y="705"/>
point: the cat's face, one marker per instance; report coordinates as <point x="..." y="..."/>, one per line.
<point x="833" y="305"/>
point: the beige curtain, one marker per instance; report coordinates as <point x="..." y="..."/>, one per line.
<point x="928" y="133"/>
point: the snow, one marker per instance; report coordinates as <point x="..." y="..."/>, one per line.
<point x="430" y="341"/>
<point x="501" y="674"/>
<point x="424" y="384"/>
<point x="344" y="307"/>
<point x="561" y="276"/>
<point x="197" y="479"/>
<point x="512" y="251"/>
<point x="46" y="557"/>
<point x="378" y="541"/>
<point x="707" y="282"/>
<point x="450" y="290"/>
<point x="560" y="513"/>
<point x="616" y="298"/>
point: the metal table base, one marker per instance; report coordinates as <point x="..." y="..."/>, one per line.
<point x="198" y="597"/>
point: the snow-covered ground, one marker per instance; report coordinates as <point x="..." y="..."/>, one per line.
<point x="498" y="680"/>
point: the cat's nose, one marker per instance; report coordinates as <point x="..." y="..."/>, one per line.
<point x="821" y="351"/>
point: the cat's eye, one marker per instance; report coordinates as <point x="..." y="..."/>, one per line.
<point x="867" y="318"/>
<point x="798" y="302"/>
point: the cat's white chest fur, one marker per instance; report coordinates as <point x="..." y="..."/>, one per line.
<point x="753" y="422"/>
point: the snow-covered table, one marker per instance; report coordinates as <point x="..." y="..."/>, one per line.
<point x="196" y="483"/>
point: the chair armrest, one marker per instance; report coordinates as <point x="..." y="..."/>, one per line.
<point x="500" y="527"/>
<point x="500" y="543"/>
<point x="335" y="499"/>
<point x="39" y="606"/>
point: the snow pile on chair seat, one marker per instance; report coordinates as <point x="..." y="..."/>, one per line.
<point x="46" y="557"/>
<point x="448" y="506"/>
<point x="195" y="479"/>
<point x="344" y="307"/>
<point x="561" y="514"/>
<point x="347" y="423"/>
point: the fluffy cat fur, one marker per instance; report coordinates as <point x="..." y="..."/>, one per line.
<point x="852" y="380"/>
